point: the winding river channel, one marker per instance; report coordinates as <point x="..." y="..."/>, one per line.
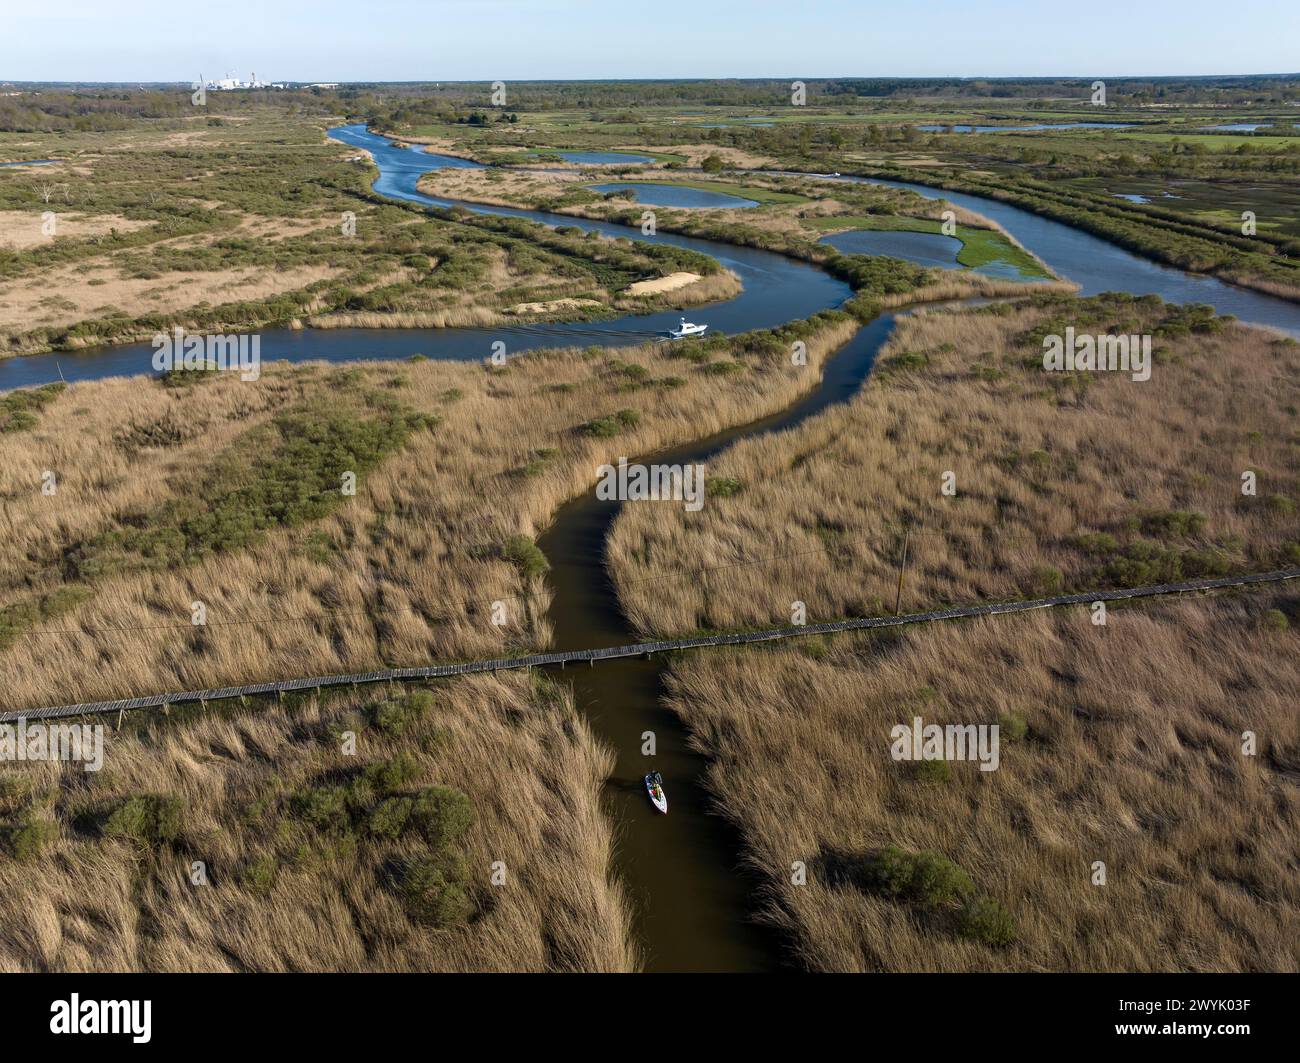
<point x="692" y="901"/>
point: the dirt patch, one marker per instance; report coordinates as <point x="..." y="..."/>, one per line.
<point x="66" y="296"/>
<point x="659" y="285"/>
<point x="695" y="153"/>
<point x="21" y="229"/>
<point x="552" y="304"/>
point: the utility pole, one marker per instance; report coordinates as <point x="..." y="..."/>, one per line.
<point x="902" y="566"/>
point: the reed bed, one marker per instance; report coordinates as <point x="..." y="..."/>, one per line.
<point x="283" y="894"/>
<point x="1120" y="745"/>
<point x="1062" y="481"/>
<point x="405" y="572"/>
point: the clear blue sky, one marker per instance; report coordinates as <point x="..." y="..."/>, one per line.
<point x="432" y="40"/>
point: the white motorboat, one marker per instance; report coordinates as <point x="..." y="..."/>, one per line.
<point x="654" y="784"/>
<point x="686" y="329"/>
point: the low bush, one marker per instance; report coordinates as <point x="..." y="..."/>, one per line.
<point x="526" y="556"/>
<point x="19" y="409"/>
<point x="28" y="840"/>
<point x="395" y="716"/>
<point x="150" y="819"/>
<point x="611" y="425"/>
<point x="983" y="919"/>
<point x="923" y="878"/>
<point x="442" y="815"/>
<point x="435" y="891"/>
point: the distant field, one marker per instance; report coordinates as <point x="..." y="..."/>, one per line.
<point x="1214" y="141"/>
<point x="634" y="154"/>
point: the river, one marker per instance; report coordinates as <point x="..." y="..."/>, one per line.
<point x="1099" y="266"/>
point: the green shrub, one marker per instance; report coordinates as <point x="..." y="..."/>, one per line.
<point x="907" y="360"/>
<point x="1099" y="544"/>
<point x="259" y="876"/>
<point x="32" y="838"/>
<point x="539" y="462"/>
<point x="388" y="820"/>
<point x="278" y="475"/>
<point x="634" y="371"/>
<point x="984" y="919"/>
<point x="526" y="556"/>
<point x="924" y="878"/>
<point x="20" y="615"/>
<point x="442" y="815"/>
<point x="435" y="892"/>
<point x="19" y="409"/>
<point x="723" y="486"/>
<point x="1179" y="523"/>
<point x="930" y="770"/>
<point x="389" y="776"/>
<point x="325" y="808"/>
<point x="398" y="715"/>
<point x="1012" y="727"/>
<point x="150" y="819"/>
<point x="1275" y="620"/>
<point x="1047" y="579"/>
<point x="611" y="424"/>
<point x="182" y="377"/>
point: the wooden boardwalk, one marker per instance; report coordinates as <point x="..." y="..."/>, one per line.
<point x="636" y="649"/>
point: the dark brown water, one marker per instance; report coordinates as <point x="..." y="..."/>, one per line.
<point x="693" y="903"/>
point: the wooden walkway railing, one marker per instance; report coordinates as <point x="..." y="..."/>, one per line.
<point x="636" y="649"/>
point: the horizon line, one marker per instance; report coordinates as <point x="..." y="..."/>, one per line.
<point x="682" y="78"/>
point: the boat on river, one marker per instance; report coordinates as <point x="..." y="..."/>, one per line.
<point x="686" y="329"/>
<point x="654" y="785"/>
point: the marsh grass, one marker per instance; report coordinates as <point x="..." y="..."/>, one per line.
<point x="317" y="860"/>
<point x="98" y="581"/>
<point x="1064" y="482"/>
<point x="1131" y="754"/>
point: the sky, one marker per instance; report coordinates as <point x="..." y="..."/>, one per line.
<point x="465" y="40"/>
